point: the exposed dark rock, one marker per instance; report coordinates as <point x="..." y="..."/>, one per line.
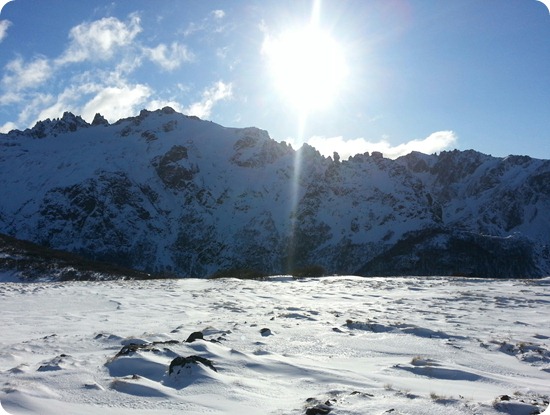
<point x="179" y="362"/>
<point x="149" y="136"/>
<point x="66" y="124"/>
<point x="196" y="335"/>
<point x="256" y="149"/>
<point x="168" y="110"/>
<point x="173" y="168"/>
<point x="169" y="126"/>
<point x="54" y="364"/>
<point x="132" y="348"/>
<point x="311" y="271"/>
<point x="441" y="252"/>
<point x="35" y="262"/>
<point x="99" y="120"/>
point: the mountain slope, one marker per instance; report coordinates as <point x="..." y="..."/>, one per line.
<point x="164" y="192"/>
<point x="25" y="261"/>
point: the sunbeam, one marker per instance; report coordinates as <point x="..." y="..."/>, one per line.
<point x="308" y="68"/>
<point x="295" y="193"/>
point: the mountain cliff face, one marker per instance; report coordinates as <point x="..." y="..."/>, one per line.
<point x="164" y="192"/>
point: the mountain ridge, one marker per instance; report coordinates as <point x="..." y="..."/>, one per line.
<point x="25" y="261"/>
<point x="168" y="193"/>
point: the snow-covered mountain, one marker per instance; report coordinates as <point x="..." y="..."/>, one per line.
<point x="23" y="261"/>
<point x="169" y="193"/>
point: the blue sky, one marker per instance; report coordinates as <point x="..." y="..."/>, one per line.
<point x="426" y="75"/>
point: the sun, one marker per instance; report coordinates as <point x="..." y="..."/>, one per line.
<point x="308" y="67"/>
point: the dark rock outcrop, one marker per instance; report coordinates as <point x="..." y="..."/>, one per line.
<point x="196" y="335"/>
<point x="181" y="362"/>
<point x="99" y="120"/>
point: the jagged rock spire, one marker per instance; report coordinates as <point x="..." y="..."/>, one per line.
<point x="99" y="120"/>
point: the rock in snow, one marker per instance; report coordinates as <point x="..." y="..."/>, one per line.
<point x="182" y="362"/>
<point x="166" y="193"/>
<point x="196" y="335"/>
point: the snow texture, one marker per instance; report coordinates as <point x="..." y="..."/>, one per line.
<point x="338" y="345"/>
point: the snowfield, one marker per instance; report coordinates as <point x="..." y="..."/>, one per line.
<point x="338" y="345"/>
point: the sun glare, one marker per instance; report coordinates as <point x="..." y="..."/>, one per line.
<point x="308" y="67"/>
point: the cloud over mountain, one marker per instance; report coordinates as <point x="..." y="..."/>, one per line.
<point x="434" y="143"/>
<point x="115" y="52"/>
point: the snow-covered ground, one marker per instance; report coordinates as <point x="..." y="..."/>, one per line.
<point x="346" y="345"/>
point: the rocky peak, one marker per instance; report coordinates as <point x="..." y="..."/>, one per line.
<point x="70" y="123"/>
<point x="418" y="162"/>
<point x="168" y="110"/>
<point x="99" y="120"/>
<point x="453" y="166"/>
<point x="256" y="149"/>
<point x="66" y="124"/>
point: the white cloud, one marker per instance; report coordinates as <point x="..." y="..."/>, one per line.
<point x="202" y="109"/>
<point x="67" y="100"/>
<point x="10" y="97"/>
<point x="100" y="39"/>
<point x="4" y="25"/>
<point x="126" y="66"/>
<point x="156" y="104"/>
<point x="7" y="127"/>
<point x="169" y="58"/>
<point x="87" y="99"/>
<point x="116" y="102"/>
<point x="218" y="14"/>
<point x="23" y="75"/>
<point x="34" y="106"/>
<point x="434" y="143"/>
<point x="212" y="23"/>
<point x="192" y="28"/>
<point x="221" y="52"/>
